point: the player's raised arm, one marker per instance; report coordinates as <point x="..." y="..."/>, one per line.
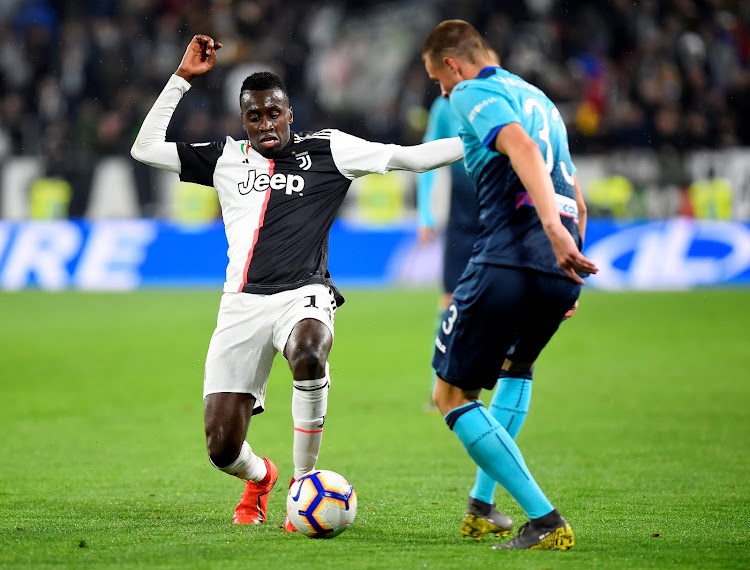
<point x="150" y="146"/>
<point x="199" y="57"/>
<point x="528" y="164"/>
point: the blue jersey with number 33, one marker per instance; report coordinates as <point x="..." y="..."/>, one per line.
<point x="511" y="232"/>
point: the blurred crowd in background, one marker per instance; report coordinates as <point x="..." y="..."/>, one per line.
<point x="78" y="76"/>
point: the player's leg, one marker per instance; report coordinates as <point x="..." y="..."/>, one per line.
<point x="490" y="446"/>
<point x="443" y="303"/>
<point x="307" y="353"/>
<point x="466" y="360"/>
<point x="237" y="366"/>
<point x="306" y="329"/>
<point x="549" y="299"/>
<point x="227" y="416"/>
<point x="482" y="517"/>
<point x="457" y="249"/>
<point x="509" y="405"/>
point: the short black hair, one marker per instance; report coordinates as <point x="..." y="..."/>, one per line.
<point x="263" y="81"/>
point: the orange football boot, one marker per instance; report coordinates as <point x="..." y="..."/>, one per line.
<point x="254" y="502"/>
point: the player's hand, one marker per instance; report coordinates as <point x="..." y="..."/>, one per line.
<point x="426" y="235"/>
<point x="199" y="57"/>
<point x="570" y="260"/>
<point x="570" y="311"/>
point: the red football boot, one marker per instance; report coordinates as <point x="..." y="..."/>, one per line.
<point x="254" y="503"/>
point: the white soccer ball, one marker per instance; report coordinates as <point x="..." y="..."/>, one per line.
<point x="321" y="504"/>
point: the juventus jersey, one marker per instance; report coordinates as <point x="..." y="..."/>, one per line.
<point x="278" y="212"/>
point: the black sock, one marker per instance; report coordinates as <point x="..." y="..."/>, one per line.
<point x="480" y="506"/>
<point x="552" y="518"/>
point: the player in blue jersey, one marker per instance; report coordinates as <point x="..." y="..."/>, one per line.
<point x="524" y="276"/>
<point x="462" y="229"/>
<point x="462" y="226"/>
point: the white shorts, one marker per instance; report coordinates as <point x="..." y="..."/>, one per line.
<point x="251" y="329"/>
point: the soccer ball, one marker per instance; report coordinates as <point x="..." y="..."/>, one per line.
<point x="321" y="504"/>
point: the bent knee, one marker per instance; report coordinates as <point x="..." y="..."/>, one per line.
<point x="448" y="397"/>
<point x="308" y="362"/>
<point x="222" y="451"/>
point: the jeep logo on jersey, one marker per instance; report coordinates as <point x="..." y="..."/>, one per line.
<point x="262" y="182"/>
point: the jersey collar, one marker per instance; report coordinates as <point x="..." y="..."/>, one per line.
<point x="487" y="71"/>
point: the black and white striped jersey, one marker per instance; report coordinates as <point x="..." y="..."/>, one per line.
<point x="278" y="212"/>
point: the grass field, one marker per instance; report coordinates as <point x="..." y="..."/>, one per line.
<point x="639" y="432"/>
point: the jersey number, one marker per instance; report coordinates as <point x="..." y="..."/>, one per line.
<point x="531" y="105"/>
<point x="450" y="320"/>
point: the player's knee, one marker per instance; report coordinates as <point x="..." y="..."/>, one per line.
<point x="447" y="397"/>
<point x="222" y="450"/>
<point x="308" y="360"/>
<point x="307" y="349"/>
<point x="308" y="364"/>
<point x="435" y="399"/>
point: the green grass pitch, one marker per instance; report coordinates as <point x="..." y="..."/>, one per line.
<point x="639" y="432"/>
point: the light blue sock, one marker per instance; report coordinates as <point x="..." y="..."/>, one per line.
<point x="509" y="407"/>
<point x="492" y="449"/>
<point x="510" y="404"/>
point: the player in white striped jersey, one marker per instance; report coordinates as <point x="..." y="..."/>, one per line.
<point x="279" y="193"/>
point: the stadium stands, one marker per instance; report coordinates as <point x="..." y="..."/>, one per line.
<point x="655" y="78"/>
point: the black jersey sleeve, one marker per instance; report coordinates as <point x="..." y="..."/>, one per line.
<point x="198" y="161"/>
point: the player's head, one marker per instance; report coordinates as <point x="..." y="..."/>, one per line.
<point x="453" y="52"/>
<point x="266" y="114"/>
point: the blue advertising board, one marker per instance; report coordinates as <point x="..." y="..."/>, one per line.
<point x="128" y="254"/>
<point x="680" y="253"/>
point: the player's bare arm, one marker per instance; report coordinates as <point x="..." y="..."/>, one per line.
<point x="582" y="218"/>
<point x="199" y="57"/>
<point x="582" y="211"/>
<point x="528" y="164"/>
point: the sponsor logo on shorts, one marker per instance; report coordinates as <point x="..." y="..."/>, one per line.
<point x="440" y="346"/>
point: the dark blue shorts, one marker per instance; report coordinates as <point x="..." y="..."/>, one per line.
<point x="498" y="313"/>
<point x="459" y="243"/>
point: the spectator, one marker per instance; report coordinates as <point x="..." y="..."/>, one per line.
<point x="625" y="74"/>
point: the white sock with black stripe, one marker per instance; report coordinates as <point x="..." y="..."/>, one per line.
<point x="247" y="466"/>
<point x="309" y="404"/>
